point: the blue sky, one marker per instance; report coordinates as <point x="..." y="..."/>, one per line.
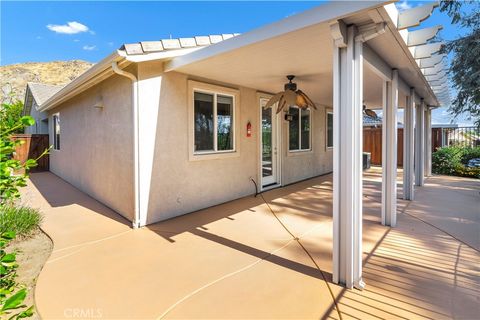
<point x="59" y="30"/>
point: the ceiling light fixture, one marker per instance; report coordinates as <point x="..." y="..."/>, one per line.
<point x="291" y="97"/>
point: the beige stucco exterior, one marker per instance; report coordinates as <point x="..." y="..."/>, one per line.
<point x="97" y="146"/>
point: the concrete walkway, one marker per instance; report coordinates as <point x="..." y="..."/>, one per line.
<point x="237" y="260"/>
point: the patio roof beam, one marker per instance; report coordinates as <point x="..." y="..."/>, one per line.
<point x="414" y="16"/>
<point x="347" y="157"/>
<point x="389" y="151"/>
<point x="421" y="36"/>
<point x="377" y="64"/>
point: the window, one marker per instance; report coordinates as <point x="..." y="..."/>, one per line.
<point x="56" y="132"/>
<point x="213" y="122"/>
<point x="299" y="129"/>
<point x="329" y="130"/>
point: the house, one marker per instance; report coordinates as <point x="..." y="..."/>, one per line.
<point x="159" y="129"/>
<point x="35" y="95"/>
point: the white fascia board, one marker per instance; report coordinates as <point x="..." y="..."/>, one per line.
<point x="321" y="14"/>
<point x="414" y="16"/>
<point x="421" y="36"/>
<point x="84" y="81"/>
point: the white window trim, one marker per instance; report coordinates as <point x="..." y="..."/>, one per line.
<point x="195" y="86"/>
<point x="328" y="111"/>
<point x="297" y="151"/>
<point x="57" y="114"/>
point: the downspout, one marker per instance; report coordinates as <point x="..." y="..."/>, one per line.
<point x="136" y="173"/>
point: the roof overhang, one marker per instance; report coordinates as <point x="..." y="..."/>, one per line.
<point x="302" y="45"/>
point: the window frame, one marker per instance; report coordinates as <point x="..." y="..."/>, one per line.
<point x="329" y="111"/>
<point x="300" y="150"/>
<point x="215" y="90"/>
<point x="55" y="122"/>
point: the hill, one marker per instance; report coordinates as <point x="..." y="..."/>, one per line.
<point x="14" y="77"/>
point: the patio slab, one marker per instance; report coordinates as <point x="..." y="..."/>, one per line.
<point x="236" y="260"/>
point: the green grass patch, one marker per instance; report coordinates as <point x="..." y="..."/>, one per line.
<point x="20" y="219"/>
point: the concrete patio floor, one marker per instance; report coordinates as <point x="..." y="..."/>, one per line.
<point x="237" y="260"/>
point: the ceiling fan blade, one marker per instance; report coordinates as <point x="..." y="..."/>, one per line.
<point x="281" y="104"/>
<point x="274" y="100"/>
<point x="309" y="101"/>
<point x="371" y="113"/>
<point x="301" y="102"/>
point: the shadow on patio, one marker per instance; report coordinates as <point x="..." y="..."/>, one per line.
<point x="236" y="260"/>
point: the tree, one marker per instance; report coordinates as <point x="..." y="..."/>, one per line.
<point x="465" y="65"/>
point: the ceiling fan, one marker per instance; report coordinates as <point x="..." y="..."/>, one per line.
<point x="291" y="97"/>
<point x="370" y="112"/>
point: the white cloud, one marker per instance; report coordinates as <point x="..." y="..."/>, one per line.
<point x="39" y="37"/>
<point x="110" y="43"/>
<point x="69" y="28"/>
<point x="76" y="40"/>
<point x="404" y="5"/>
<point x="89" y="48"/>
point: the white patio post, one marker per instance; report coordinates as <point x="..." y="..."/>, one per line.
<point x="389" y="151"/>
<point x="419" y="142"/>
<point x="347" y="158"/>
<point x="408" y="147"/>
<point x="428" y="142"/>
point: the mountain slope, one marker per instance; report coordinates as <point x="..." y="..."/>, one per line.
<point x="14" y="77"/>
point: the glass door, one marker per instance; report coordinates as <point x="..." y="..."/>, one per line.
<point x="269" y="146"/>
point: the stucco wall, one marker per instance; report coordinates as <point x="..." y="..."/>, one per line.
<point x="306" y="164"/>
<point x="96" y="153"/>
<point x="179" y="185"/>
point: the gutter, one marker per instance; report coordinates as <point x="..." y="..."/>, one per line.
<point x="89" y="78"/>
<point x="136" y="144"/>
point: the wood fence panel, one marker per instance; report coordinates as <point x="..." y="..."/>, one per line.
<point x="33" y="147"/>
<point x="372" y="142"/>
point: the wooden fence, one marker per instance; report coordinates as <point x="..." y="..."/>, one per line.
<point x="33" y="147"/>
<point x="372" y="142"/>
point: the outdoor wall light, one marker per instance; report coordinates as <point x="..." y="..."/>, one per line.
<point x="99" y="103"/>
<point x="288" y="117"/>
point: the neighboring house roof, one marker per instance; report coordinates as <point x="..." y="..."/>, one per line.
<point x="371" y="121"/>
<point x="145" y="47"/>
<point x="39" y="93"/>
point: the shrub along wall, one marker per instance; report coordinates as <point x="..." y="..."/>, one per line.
<point x="452" y="160"/>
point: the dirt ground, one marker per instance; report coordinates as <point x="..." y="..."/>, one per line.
<point x="32" y="253"/>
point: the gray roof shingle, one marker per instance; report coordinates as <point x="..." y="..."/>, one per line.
<point x="42" y="92"/>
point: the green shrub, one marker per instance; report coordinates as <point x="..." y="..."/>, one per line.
<point x="452" y="160"/>
<point x="470" y="153"/>
<point x="463" y="171"/>
<point x="445" y="160"/>
<point x="12" y="295"/>
<point x="20" y="219"/>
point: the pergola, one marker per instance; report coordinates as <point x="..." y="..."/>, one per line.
<point x="345" y="55"/>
